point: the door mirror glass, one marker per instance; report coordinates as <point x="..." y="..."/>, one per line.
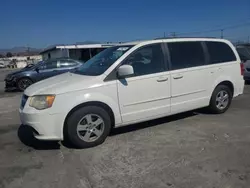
<point x="125" y="71"/>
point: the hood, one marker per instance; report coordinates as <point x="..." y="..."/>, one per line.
<point x="20" y="71"/>
<point x="63" y="83"/>
<point x="17" y="72"/>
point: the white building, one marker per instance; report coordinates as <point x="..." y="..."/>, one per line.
<point x="24" y="58"/>
<point x="21" y="61"/>
<point x="75" y="51"/>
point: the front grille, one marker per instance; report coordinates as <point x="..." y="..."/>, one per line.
<point x="24" y="100"/>
<point x="9" y="77"/>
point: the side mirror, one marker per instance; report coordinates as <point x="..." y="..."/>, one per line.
<point x="37" y="69"/>
<point x="125" y="71"/>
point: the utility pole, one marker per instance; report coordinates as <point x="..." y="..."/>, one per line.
<point x="222" y="33"/>
<point x="173" y="34"/>
<point x="248" y="39"/>
<point x="164" y="34"/>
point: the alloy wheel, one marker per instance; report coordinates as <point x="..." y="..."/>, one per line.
<point x="24" y="83"/>
<point x="222" y="100"/>
<point x="90" y="127"/>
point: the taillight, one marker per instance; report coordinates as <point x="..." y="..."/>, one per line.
<point x="241" y="69"/>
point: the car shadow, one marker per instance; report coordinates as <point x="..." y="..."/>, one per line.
<point x="14" y="90"/>
<point x="25" y="134"/>
<point x="155" y="122"/>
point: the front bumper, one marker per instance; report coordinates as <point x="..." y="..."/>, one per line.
<point x="47" y="126"/>
<point x="10" y="84"/>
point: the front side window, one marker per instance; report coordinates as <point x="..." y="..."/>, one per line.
<point x="220" y="52"/>
<point x="147" y="60"/>
<point x="186" y="54"/>
<point x="50" y="64"/>
<point x="102" y="61"/>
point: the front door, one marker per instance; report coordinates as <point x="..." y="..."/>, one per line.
<point x="46" y="70"/>
<point x="146" y="94"/>
<point x="190" y="76"/>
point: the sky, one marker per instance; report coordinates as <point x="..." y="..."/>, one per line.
<point x="42" y="23"/>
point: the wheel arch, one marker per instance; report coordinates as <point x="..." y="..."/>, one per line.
<point x="227" y="83"/>
<point x="91" y="103"/>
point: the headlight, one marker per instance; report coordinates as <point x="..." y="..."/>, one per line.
<point x="9" y="77"/>
<point x="41" y="102"/>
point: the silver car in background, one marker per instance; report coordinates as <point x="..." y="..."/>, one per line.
<point x="244" y="53"/>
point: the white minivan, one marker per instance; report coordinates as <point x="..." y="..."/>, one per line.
<point x="131" y="83"/>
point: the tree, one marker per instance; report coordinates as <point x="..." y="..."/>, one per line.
<point x="9" y="54"/>
<point x="1" y="56"/>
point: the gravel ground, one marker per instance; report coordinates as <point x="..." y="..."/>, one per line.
<point x="191" y="150"/>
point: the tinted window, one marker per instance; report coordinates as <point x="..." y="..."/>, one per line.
<point x="50" y="65"/>
<point x="244" y="53"/>
<point x="147" y="60"/>
<point x="220" y="52"/>
<point x="67" y="63"/>
<point x="186" y="54"/>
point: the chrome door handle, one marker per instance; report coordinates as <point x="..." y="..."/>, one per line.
<point x="162" y="80"/>
<point x="178" y="77"/>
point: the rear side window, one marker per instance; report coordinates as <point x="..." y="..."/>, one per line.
<point x="67" y="63"/>
<point x="50" y="64"/>
<point x="186" y="54"/>
<point x="220" y="52"/>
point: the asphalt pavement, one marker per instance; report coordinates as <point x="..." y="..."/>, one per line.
<point x="190" y="150"/>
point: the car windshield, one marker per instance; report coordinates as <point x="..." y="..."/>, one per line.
<point x="102" y="61"/>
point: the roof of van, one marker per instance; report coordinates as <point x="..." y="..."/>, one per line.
<point x="173" y="40"/>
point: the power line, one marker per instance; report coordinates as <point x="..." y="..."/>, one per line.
<point x="218" y="29"/>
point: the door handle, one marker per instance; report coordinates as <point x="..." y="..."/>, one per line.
<point x="162" y="80"/>
<point x="178" y="77"/>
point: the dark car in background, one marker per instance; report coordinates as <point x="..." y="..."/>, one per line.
<point x="244" y="53"/>
<point x="23" y="78"/>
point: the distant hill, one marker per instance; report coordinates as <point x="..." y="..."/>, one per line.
<point x="20" y="50"/>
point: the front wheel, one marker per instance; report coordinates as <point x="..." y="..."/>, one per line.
<point x="23" y="83"/>
<point x="221" y="99"/>
<point x="88" y="126"/>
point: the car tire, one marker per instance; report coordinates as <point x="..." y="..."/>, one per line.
<point x="81" y="124"/>
<point x="247" y="82"/>
<point x="219" y="103"/>
<point x="23" y="83"/>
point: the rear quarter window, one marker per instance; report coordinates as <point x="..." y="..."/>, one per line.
<point x="220" y="52"/>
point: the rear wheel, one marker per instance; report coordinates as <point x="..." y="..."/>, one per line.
<point x="23" y="83"/>
<point x="88" y="126"/>
<point x="221" y="99"/>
